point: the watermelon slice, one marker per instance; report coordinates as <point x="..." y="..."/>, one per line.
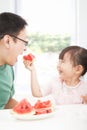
<point x="23" y="107"/>
<point x="29" y="57"/>
<point x="42" y="104"/>
<point x="43" y="107"/>
<point x="40" y="107"/>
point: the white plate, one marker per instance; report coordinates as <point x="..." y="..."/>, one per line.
<point x="32" y="117"/>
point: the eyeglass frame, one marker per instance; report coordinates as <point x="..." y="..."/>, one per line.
<point x="26" y="42"/>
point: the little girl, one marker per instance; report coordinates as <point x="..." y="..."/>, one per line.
<point x="68" y="88"/>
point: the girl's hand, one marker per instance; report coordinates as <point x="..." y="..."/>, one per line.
<point x="84" y="99"/>
<point x="28" y="61"/>
<point x="28" y="64"/>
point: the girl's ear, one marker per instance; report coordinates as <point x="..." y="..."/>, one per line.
<point x="79" y="69"/>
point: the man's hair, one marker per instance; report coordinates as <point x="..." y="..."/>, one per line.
<point x="11" y="23"/>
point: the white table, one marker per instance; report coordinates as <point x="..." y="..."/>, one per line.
<point x="66" y="117"/>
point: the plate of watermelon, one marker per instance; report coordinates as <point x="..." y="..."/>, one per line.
<point x="40" y="110"/>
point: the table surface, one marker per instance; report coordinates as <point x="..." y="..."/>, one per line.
<point x="66" y="117"/>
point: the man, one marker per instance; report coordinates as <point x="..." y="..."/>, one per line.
<point x="12" y="44"/>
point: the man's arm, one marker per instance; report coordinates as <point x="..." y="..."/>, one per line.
<point x="11" y="103"/>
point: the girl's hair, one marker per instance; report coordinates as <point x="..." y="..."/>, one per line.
<point x="78" y="55"/>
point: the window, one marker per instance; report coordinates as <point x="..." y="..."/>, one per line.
<point x="51" y="28"/>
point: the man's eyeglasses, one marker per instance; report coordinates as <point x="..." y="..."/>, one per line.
<point x="26" y="42"/>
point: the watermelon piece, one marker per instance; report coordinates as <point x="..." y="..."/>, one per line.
<point x="23" y="107"/>
<point x="43" y="107"/>
<point x="29" y="57"/>
<point x="40" y="107"/>
<point x="42" y="104"/>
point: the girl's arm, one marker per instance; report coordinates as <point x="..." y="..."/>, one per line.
<point x="35" y="88"/>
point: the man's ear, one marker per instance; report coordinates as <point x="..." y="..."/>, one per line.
<point x="6" y="40"/>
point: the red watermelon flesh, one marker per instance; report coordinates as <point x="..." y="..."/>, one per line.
<point x="40" y="107"/>
<point x="29" y="57"/>
<point x="23" y="107"/>
<point x="43" y="107"/>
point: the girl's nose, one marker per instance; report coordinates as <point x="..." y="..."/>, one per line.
<point x="58" y="65"/>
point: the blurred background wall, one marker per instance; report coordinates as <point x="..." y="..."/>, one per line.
<point x="7" y="5"/>
<point x="80" y="36"/>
